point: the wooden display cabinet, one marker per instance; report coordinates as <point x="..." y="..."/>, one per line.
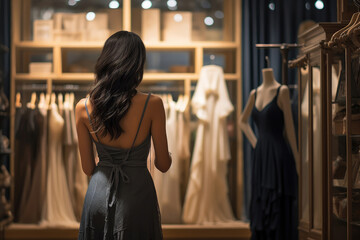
<point x="329" y="142"/>
<point x="60" y="52"/>
<point x="312" y="131"/>
<point x="343" y="130"/>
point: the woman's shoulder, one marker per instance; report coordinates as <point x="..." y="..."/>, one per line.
<point x="154" y="100"/>
<point x="80" y="109"/>
<point x="155" y="104"/>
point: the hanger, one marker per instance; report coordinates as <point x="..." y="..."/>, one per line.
<point x="185" y="103"/>
<point x="352" y="28"/>
<point x="67" y="101"/>
<point x="71" y="100"/>
<point x="53" y="98"/>
<point x="18" y="100"/>
<point x="337" y="34"/>
<point x="179" y="102"/>
<point x="60" y="101"/>
<point x="42" y="102"/>
<point x="267" y="59"/>
<point x="47" y="101"/>
<point x="212" y="59"/>
<point x="169" y="98"/>
<point x="31" y="104"/>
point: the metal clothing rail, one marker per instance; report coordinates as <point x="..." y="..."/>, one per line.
<point x="284" y="50"/>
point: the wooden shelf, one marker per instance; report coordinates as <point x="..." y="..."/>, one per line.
<point x="149" y="46"/>
<point x="33" y="77"/>
<point x="238" y="230"/>
<point x="90" y="77"/>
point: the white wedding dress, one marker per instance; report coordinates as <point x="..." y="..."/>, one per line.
<point x="206" y="199"/>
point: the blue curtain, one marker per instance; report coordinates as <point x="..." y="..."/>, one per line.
<point x="5" y="41"/>
<point x="5" y="62"/>
<point x="272" y="21"/>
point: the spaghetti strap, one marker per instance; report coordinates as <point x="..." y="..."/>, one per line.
<point x="277" y="91"/>
<point x="87" y="112"/>
<point x="142" y="116"/>
<point x="255" y="93"/>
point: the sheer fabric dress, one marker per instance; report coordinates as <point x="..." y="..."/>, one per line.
<point x="274" y="178"/>
<point x="121" y="201"/>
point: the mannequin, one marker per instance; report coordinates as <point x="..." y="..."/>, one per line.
<point x="266" y="92"/>
<point x="274" y="165"/>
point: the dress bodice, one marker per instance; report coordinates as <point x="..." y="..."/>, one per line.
<point x="269" y="120"/>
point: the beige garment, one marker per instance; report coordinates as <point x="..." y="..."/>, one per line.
<point x="69" y="153"/>
<point x="58" y="208"/>
<point x="168" y="184"/>
<point x="206" y="199"/>
<point x="183" y="149"/>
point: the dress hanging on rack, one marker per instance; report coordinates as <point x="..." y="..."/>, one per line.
<point x="206" y="199"/>
<point x="58" y="209"/>
<point x="26" y="139"/>
<point x="31" y="204"/>
<point x="168" y="184"/>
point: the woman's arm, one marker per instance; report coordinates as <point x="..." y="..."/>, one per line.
<point x="244" y="120"/>
<point x="85" y="143"/>
<point x="158" y="133"/>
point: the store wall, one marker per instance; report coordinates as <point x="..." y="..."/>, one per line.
<point x="273" y="21"/>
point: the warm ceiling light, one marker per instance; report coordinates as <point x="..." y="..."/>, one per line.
<point x="209" y="21"/>
<point x="114" y="4"/>
<point x="146" y="4"/>
<point x="319" y="4"/>
<point x="90" y="16"/>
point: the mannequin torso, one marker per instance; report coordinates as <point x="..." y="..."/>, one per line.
<point x="265" y="93"/>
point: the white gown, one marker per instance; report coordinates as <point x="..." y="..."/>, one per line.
<point x="206" y="199"/>
<point x="183" y="149"/>
<point x="58" y="208"/>
<point x="168" y="184"/>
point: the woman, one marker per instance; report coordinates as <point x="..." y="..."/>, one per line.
<point x="121" y="201"/>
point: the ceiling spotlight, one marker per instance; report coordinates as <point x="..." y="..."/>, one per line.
<point x="114" y="4"/>
<point x="319" y="4"/>
<point x="272" y="6"/>
<point x="90" y="16"/>
<point x="146" y="4"/>
<point x="178" y="17"/>
<point x="209" y="21"/>
<point x="72" y="2"/>
<point x="307" y="6"/>
<point x="172" y="3"/>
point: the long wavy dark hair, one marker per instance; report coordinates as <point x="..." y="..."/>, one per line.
<point x="118" y="71"/>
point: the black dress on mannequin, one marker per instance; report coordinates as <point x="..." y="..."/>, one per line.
<point x="273" y="209"/>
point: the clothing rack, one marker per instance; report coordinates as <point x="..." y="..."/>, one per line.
<point x="164" y="89"/>
<point x="284" y="50"/>
<point x="43" y="87"/>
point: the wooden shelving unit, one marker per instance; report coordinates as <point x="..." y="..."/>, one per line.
<point x="232" y="23"/>
<point x="327" y="209"/>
